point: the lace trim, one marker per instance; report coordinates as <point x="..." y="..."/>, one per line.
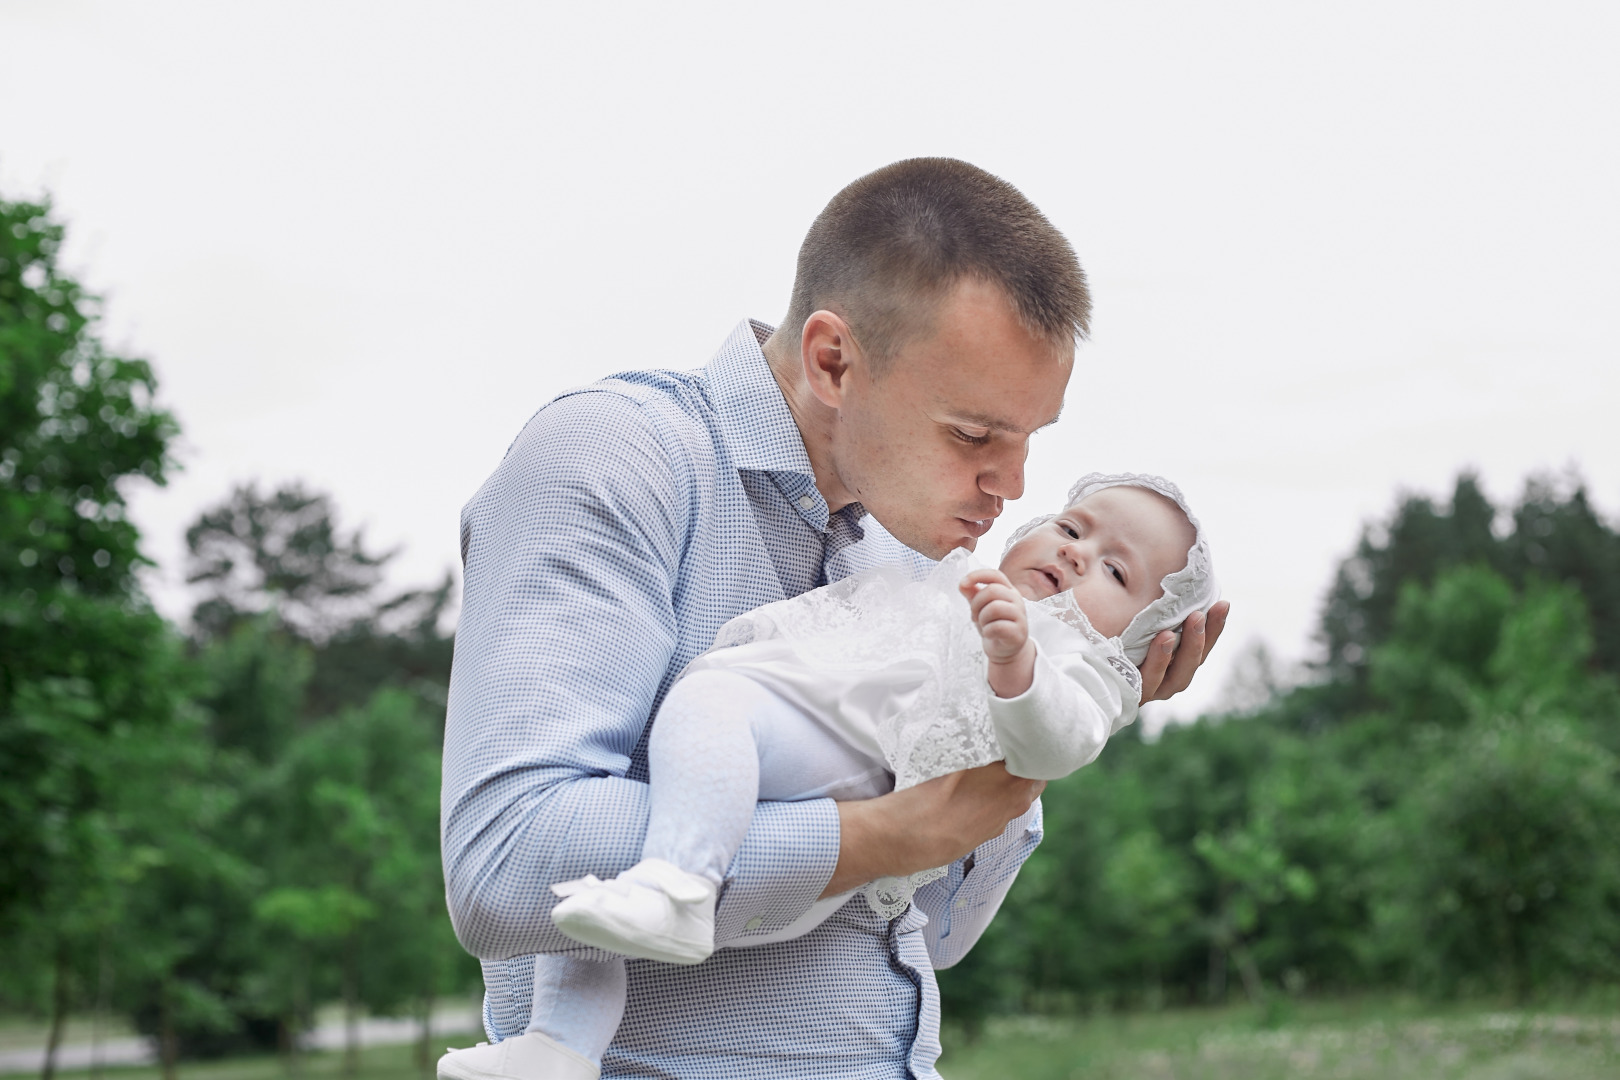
<point x="920" y="634"/>
<point x="889" y="897"/>
<point x="1128" y="672"/>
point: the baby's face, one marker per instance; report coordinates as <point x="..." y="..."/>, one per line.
<point x="1111" y="550"/>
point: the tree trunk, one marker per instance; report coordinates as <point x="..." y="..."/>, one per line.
<point x="1253" y="985"/>
<point x="295" y="1020"/>
<point x="351" y="1009"/>
<point x="424" y="1038"/>
<point x="292" y="1027"/>
<point x="104" y="976"/>
<point x="1217" y="973"/>
<point x="1152" y="986"/>
<point x="168" y="1038"/>
<point x="59" y="1007"/>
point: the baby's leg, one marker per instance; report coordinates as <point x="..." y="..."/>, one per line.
<point x="720" y="742"/>
<point x="703" y="765"/>
<point x="575" y="1011"/>
<point x="578" y="1002"/>
<point x="704" y="783"/>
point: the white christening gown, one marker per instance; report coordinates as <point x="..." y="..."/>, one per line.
<point x="896" y="670"/>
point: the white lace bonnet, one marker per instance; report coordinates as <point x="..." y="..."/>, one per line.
<point x="1192" y="588"/>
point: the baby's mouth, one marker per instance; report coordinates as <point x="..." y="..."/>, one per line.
<point x="1053" y="580"/>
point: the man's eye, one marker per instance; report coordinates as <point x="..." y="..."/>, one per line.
<point x="976" y="440"/>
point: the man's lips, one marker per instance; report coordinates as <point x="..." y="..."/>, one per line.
<point x="977" y="527"/>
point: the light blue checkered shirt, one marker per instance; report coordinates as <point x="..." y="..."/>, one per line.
<point x="629" y="520"/>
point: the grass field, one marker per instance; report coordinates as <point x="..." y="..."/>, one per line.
<point x="376" y="1063"/>
<point x="1362" y="1039"/>
<point x="1355" y="1040"/>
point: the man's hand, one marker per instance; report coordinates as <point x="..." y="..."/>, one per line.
<point x="1168" y="669"/>
<point x="998" y="611"/>
<point x="932" y="824"/>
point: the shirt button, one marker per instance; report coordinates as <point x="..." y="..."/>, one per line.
<point x="755" y="923"/>
<point x="806" y="502"/>
<point x="961" y="903"/>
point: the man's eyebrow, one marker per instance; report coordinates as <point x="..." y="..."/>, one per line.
<point x="985" y="420"/>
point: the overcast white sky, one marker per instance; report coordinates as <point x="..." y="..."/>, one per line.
<point x="1337" y="250"/>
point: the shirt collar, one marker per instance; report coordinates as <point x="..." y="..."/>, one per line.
<point x="754" y="420"/>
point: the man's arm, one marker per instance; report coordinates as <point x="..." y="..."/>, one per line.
<point x="572" y="556"/>
<point x="960" y="905"/>
<point x="932" y="824"/>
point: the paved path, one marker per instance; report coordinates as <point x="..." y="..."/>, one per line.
<point x="374" y="1031"/>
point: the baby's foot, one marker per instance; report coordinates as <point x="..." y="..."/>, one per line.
<point x="654" y="910"/>
<point x="524" y="1057"/>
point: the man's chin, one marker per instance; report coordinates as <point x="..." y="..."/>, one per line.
<point x="946" y="546"/>
<point x="953" y="534"/>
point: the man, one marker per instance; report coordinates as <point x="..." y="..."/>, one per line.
<point x="931" y="331"/>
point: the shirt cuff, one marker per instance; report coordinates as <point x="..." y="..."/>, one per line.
<point x="785" y="862"/>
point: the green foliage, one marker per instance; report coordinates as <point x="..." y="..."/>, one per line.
<point x="215" y="835"/>
<point x="92" y="683"/>
<point x="1510" y="864"/>
<point x="75" y="422"/>
<point x="1556" y="536"/>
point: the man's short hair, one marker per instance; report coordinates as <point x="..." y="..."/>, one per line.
<point x="892" y="244"/>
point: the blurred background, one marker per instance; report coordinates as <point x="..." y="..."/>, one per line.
<point x="279" y="283"/>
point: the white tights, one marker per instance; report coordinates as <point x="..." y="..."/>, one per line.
<point x="721" y="742"/>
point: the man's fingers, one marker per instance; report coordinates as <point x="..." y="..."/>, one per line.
<point x="1155" y="663"/>
<point x="1188" y="655"/>
<point x="1168" y="668"/>
<point x="1214" y="625"/>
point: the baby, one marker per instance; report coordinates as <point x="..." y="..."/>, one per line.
<point x="833" y="692"/>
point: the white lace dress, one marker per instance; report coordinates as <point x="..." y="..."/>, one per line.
<point x="895" y="669"/>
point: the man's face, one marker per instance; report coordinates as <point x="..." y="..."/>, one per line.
<point x="934" y="445"/>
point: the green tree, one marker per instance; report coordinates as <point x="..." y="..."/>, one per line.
<point x="358" y="886"/>
<point x="1555" y="535"/>
<point x="1502" y="869"/>
<point x="87" y="670"/>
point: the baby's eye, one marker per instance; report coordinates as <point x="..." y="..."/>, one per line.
<point x="1074" y="534"/>
<point x="1119" y="577"/>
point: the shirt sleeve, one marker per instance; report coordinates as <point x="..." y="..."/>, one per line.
<point x="1076" y="700"/>
<point x="961" y="904"/>
<point x="572" y="555"/>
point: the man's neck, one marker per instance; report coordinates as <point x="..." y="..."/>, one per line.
<point x="813" y="418"/>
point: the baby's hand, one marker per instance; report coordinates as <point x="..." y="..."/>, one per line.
<point x="998" y="612"/>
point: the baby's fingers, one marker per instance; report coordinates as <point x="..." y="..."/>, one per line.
<point x="994" y="594"/>
<point x="998" y="611"/>
<point x="975" y="581"/>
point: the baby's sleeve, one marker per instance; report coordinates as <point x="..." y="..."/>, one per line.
<point x="1075" y="702"/>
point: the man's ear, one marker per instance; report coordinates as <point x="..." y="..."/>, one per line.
<point x="828" y="352"/>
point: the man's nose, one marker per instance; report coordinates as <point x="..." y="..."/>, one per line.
<point x="1003" y="475"/>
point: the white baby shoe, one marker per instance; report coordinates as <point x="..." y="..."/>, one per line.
<point x="654" y="910"/>
<point x="523" y="1057"/>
